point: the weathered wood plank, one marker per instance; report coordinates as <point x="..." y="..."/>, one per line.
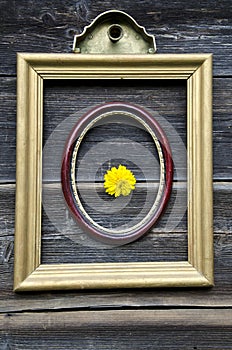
<point x="7" y="128"/>
<point x="164" y="242"/>
<point x="155" y="248"/>
<point x="128" y="329"/>
<point x="112" y="214"/>
<point x="222" y="211"/>
<point x="63" y="101"/>
<point x="118" y="318"/>
<point x="220" y="295"/>
<point x="51" y="26"/>
<point x="58" y="248"/>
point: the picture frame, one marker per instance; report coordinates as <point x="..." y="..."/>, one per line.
<point x="32" y="70"/>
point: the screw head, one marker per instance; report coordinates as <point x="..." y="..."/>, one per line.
<point x="151" y="50"/>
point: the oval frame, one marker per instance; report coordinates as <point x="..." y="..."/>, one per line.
<point x="75" y="138"/>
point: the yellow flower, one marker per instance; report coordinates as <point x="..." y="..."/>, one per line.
<point x="119" y="181"/>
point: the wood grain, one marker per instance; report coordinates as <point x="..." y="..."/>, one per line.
<point x="51" y="26"/>
<point x="63" y="101"/>
<point x="128" y="329"/>
<point x="115" y="318"/>
<point x="58" y="248"/>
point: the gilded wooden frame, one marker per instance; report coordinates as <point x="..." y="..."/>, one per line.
<point x="33" y="69"/>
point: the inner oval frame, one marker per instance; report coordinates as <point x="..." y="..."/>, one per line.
<point x="68" y="180"/>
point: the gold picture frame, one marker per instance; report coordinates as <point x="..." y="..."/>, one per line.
<point x="33" y="69"/>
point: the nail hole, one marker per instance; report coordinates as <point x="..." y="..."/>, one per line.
<point x="115" y="32"/>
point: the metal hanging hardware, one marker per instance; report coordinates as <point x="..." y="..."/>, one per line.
<point x="114" y="32"/>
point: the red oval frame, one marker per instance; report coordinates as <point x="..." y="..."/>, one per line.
<point x="66" y="167"/>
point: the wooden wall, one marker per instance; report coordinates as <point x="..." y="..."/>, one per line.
<point x="119" y="319"/>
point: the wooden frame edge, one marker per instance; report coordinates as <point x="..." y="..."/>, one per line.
<point x="29" y="170"/>
<point x="200" y="179"/>
<point x="109" y="276"/>
<point x="29" y="274"/>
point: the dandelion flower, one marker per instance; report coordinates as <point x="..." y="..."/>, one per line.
<point x="119" y="181"/>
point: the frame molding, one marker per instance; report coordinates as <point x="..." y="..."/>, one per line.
<point x="32" y="69"/>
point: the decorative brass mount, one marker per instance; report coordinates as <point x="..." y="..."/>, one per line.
<point x="114" y="32"/>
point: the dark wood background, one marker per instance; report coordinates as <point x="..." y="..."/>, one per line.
<point x="119" y="319"/>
